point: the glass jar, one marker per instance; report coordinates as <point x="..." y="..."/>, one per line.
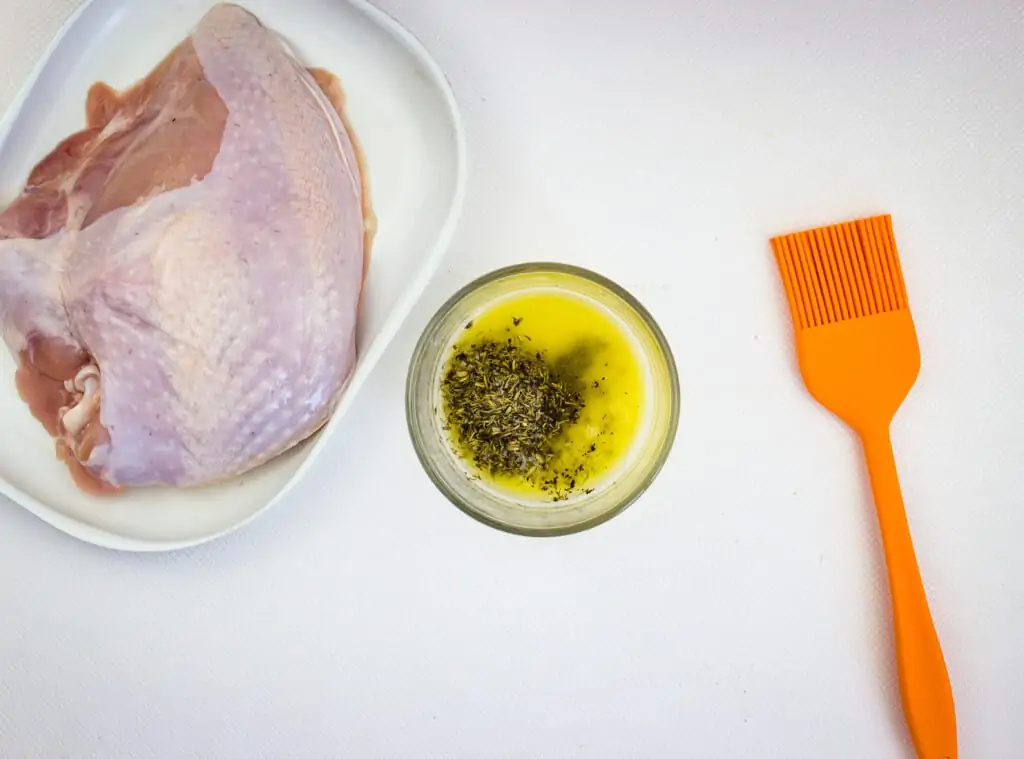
<point x="510" y="511"/>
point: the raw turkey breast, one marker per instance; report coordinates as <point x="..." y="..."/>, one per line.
<point x="180" y="281"/>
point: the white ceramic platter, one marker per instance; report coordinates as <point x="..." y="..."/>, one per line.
<point x="405" y="115"/>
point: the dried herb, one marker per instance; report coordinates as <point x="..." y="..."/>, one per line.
<point x="508" y="407"/>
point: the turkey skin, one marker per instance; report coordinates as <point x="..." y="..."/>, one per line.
<point x="180" y="281"/>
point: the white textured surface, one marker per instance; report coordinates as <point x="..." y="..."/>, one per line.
<point x="739" y="609"/>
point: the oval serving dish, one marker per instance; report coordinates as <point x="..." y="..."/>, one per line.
<point x="406" y="118"/>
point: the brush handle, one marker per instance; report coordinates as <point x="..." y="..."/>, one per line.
<point x="924" y="683"/>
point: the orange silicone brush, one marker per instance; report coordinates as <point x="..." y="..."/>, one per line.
<point x="859" y="357"/>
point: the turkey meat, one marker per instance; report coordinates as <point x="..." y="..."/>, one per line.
<point x="179" y="282"/>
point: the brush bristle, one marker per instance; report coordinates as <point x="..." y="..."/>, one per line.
<point x="843" y="271"/>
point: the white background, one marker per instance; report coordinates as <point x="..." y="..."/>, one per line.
<point x="739" y="609"/>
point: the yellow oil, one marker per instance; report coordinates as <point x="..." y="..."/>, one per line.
<point x="589" y="347"/>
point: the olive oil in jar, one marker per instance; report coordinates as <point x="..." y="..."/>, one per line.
<point x="543" y="394"/>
